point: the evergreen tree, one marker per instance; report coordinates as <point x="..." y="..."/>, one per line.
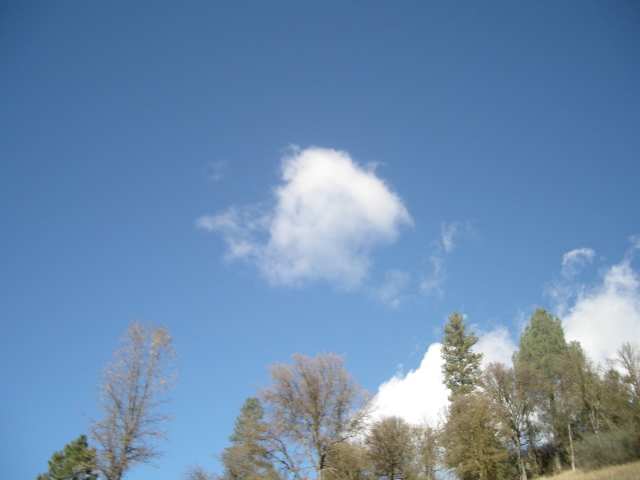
<point x="542" y="343"/>
<point x="461" y="366"/>
<point x="75" y="462"/>
<point x="247" y="458"/>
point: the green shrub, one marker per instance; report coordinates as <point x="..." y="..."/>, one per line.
<point x="607" y="448"/>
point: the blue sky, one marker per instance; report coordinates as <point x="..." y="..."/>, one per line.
<point x="267" y="178"/>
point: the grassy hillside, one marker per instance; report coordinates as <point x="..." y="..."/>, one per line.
<point x="630" y="471"/>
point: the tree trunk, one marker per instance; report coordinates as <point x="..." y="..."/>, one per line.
<point x="517" y="443"/>
<point x="523" y="470"/>
<point x="573" y="457"/>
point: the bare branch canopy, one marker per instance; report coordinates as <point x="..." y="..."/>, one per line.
<point x="133" y="386"/>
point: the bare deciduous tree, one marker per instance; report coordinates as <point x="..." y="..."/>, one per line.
<point x="392" y="446"/>
<point x="132" y="388"/>
<point x="515" y="394"/>
<point x="348" y="461"/>
<point x="428" y="449"/>
<point x="312" y="404"/>
<point x="471" y="438"/>
<point x="629" y="359"/>
<point x="196" y="472"/>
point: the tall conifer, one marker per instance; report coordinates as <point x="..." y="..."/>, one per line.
<point x="542" y="343"/>
<point x="247" y="458"/>
<point x="75" y="462"/>
<point x="543" y="346"/>
<point x="461" y="366"/>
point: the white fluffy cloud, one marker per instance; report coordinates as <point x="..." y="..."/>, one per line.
<point x="607" y="315"/>
<point x="329" y="213"/>
<point x="420" y="394"/>
<point x="417" y="395"/>
<point x="496" y="346"/>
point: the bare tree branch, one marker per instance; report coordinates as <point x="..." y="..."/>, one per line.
<point x="312" y="404"/>
<point x="133" y="386"/>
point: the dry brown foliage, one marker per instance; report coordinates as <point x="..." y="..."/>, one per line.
<point x="630" y="471"/>
<point x="132" y="388"/>
<point x="312" y="405"/>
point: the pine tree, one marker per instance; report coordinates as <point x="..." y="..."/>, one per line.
<point x="75" y="462"/>
<point x="247" y="458"/>
<point x="461" y="366"/>
<point x="542" y="343"/>
<point x="543" y="346"/>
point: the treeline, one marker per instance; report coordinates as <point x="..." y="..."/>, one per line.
<point x="551" y="409"/>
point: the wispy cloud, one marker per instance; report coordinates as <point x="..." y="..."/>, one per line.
<point x="449" y="232"/>
<point x="214" y="170"/>
<point x="566" y="287"/>
<point x="573" y="261"/>
<point x="391" y="291"/>
<point x="206" y="222"/>
<point x="329" y="214"/>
